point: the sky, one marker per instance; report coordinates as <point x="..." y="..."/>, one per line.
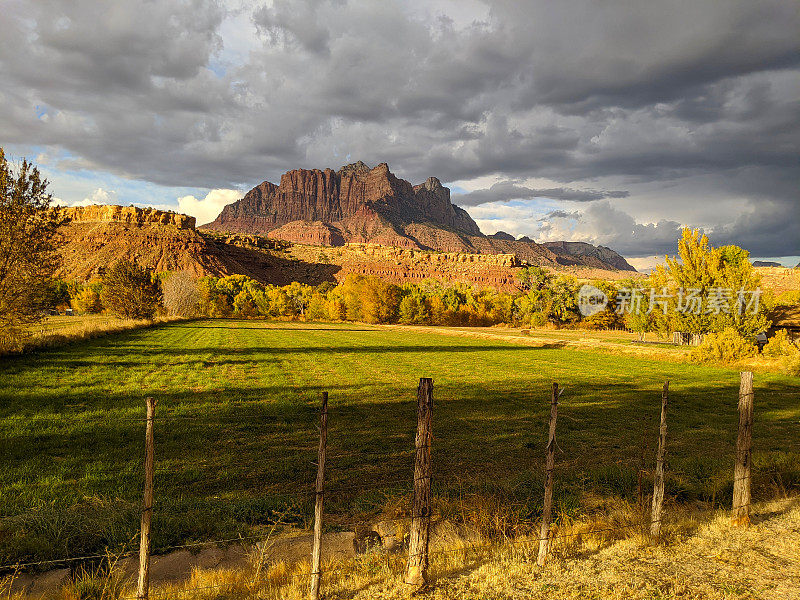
<point x="612" y="122"/>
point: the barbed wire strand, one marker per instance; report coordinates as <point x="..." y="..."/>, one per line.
<point x="349" y="524"/>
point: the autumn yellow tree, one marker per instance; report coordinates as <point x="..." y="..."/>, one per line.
<point x="709" y="289"/>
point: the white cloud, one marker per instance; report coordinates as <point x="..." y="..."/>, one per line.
<point x="207" y="209"/>
<point x="98" y="196"/>
<point x="645" y="264"/>
<point x="598" y="223"/>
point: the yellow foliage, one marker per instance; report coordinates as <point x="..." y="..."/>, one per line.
<point x="724" y="347"/>
<point x="780" y="345"/>
<point x="87" y="301"/>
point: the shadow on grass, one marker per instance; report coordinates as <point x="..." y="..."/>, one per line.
<point x="225" y="455"/>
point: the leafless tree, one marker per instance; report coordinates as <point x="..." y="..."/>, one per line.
<point x="181" y="296"/>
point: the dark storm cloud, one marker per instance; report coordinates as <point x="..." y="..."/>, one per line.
<point x="509" y="190"/>
<point x="562" y="214"/>
<point x="575" y="92"/>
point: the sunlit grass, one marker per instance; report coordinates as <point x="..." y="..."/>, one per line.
<point x="236" y="438"/>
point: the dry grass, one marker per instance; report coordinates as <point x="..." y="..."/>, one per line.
<point x="60" y="331"/>
<point x="598" y="557"/>
<point x="700" y="557"/>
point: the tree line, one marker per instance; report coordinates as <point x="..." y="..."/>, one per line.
<point x="700" y="273"/>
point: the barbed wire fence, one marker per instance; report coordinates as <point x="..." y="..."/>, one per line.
<point x="418" y="518"/>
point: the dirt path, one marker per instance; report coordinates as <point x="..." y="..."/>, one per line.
<point x="174" y="567"/>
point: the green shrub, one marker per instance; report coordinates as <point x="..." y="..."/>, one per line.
<point x="791" y="365"/>
<point x="780" y="345"/>
<point x="724" y="347"/>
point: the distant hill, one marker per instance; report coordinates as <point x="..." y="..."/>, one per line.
<point x="766" y="263"/>
<point x="363" y="205"/>
<point x="589" y="255"/>
<point x="95" y="237"/>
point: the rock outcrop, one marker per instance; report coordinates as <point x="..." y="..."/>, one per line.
<point x="359" y="204"/>
<point x="421" y="257"/>
<point x="125" y="214"/>
<point x="767" y="263"/>
<point x="95" y="237"/>
<point x="363" y="205"/>
<point x="315" y="233"/>
<point x="584" y="254"/>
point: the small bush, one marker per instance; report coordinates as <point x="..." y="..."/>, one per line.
<point x="780" y="345"/>
<point x="791" y="365"/>
<point x="724" y="347"/>
<point x="87" y="300"/>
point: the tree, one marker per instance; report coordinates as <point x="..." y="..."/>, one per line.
<point x="413" y="307"/>
<point x="563" y="307"/>
<point x="213" y="303"/>
<point x="28" y="246"/>
<point x="533" y="278"/>
<point x="709" y="289"/>
<point x="734" y="272"/>
<point x="181" y="295"/>
<point x="87" y="299"/>
<point x="56" y="294"/>
<point x="130" y="291"/>
<point x="608" y="318"/>
<point x="641" y="322"/>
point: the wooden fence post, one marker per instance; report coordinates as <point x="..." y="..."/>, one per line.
<point x="544" y="532"/>
<point x="417" y="569"/>
<point x="658" y="478"/>
<point x="316" y="552"/>
<point x="740" y="514"/>
<point x="147" y="504"/>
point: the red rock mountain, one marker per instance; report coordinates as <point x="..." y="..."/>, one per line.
<point x="358" y="204"/>
<point x="354" y="204"/>
<point x="95" y="237"/>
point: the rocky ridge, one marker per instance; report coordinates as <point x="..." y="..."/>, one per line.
<point x="107" y="213"/>
<point x="588" y="255"/>
<point x="363" y="205"/>
<point x="95" y="237"/>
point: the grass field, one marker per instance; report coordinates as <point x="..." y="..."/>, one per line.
<point x="236" y="438"/>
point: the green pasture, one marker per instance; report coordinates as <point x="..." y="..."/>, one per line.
<point x="236" y="430"/>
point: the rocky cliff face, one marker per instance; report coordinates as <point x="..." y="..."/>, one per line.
<point x="359" y="204"/>
<point x="581" y="253"/>
<point x="363" y="204"/>
<point x="95" y="237"/>
<point x="125" y="214"/>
